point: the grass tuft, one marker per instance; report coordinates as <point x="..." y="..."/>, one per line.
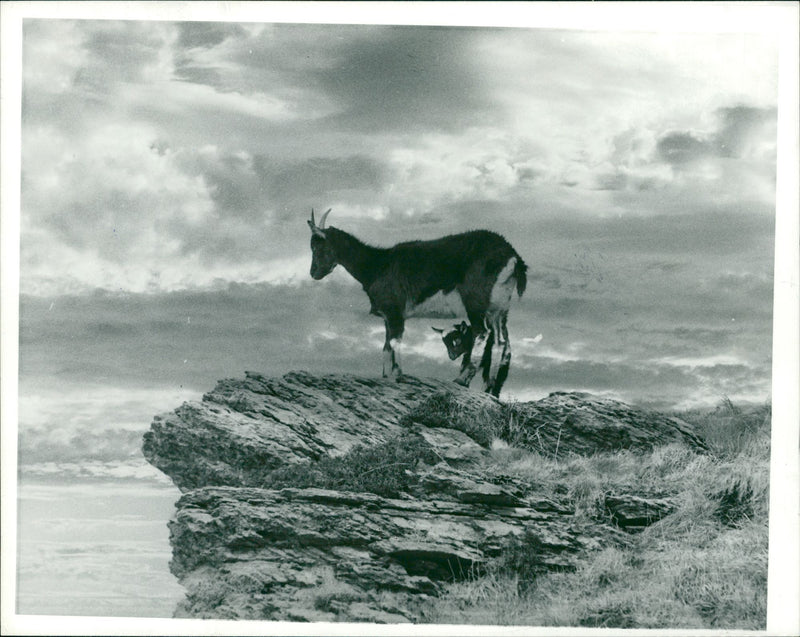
<point x="482" y="423"/>
<point x="385" y="469"/>
<point x="521" y="557"/>
<point x="730" y="430"/>
<point x="702" y="566"/>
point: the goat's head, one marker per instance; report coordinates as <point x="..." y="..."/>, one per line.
<point x="323" y="257"/>
<point x="458" y="340"/>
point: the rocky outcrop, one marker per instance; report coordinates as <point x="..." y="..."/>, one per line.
<point x="560" y="424"/>
<point x="244" y="428"/>
<point x="314" y="554"/>
<point x="338" y="498"/>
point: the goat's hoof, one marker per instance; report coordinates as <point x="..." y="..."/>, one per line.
<point x="461" y="381"/>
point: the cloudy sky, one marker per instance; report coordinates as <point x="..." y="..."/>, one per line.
<point x="634" y="172"/>
<point x="159" y="156"/>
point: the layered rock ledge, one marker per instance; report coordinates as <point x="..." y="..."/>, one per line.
<point x="339" y="498"/>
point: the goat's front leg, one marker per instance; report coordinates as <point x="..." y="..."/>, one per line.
<point x="391" y="347"/>
<point x="467" y="372"/>
<point x="468" y="368"/>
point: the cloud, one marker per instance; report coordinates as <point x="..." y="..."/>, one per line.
<point x="743" y="132"/>
<point x="123" y="51"/>
<point x="121" y="209"/>
<point x="53" y="53"/>
<point x="193" y="103"/>
<point x="747" y="132"/>
<point x="356" y="78"/>
<point x="40" y="445"/>
<point x="74" y="71"/>
<point x="89" y="423"/>
<point x="405" y="78"/>
<point x="258" y="188"/>
<point x="207" y="34"/>
<point x="95" y="209"/>
<point x="682" y="148"/>
<point x="317" y="178"/>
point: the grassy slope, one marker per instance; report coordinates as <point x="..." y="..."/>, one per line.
<point x="703" y="566"/>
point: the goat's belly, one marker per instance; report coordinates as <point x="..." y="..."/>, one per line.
<point x="440" y="305"/>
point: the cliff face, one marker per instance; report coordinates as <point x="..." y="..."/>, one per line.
<point x="339" y="498"/>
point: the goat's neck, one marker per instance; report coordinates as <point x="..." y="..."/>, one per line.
<point x="363" y="262"/>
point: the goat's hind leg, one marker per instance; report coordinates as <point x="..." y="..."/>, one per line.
<point x="486" y="362"/>
<point x="492" y="359"/>
<point x="505" y="362"/>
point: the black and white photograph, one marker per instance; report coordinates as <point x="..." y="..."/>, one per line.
<point x="359" y="316"/>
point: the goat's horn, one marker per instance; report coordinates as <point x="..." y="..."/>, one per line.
<point x="325" y="216"/>
<point x="314" y="229"/>
<point x="437" y="329"/>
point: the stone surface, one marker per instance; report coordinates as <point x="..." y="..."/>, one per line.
<point x="330" y="555"/>
<point x="560" y="424"/>
<point x="246" y="427"/>
<point x="635" y="513"/>
<point x="243" y="551"/>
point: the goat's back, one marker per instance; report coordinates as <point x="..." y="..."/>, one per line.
<point x="457" y="252"/>
<point x="470" y="261"/>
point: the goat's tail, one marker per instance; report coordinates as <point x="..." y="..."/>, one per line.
<point x="520" y="274"/>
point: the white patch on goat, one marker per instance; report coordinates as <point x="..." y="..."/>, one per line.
<point x="396" y="345"/>
<point x="503" y="288"/>
<point x="387" y="362"/>
<point x="440" y="305"/>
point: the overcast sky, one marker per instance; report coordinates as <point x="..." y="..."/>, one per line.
<point x="634" y="172"/>
<point x="158" y="156"/>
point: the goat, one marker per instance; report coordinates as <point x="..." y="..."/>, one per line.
<point x="460" y="340"/>
<point x="470" y="274"/>
<point x="457" y="341"/>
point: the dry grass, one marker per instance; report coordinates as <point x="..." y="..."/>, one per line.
<point x="384" y="469"/>
<point x="703" y="566"/>
<point x="730" y="430"/>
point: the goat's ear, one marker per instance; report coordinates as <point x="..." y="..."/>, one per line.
<point x="437" y="329"/>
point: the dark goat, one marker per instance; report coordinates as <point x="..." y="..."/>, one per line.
<point x="471" y="274"/>
<point x="458" y="340"/>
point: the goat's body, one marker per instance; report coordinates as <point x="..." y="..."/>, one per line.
<point x="472" y="275"/>
<point x="454" y="276"/>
